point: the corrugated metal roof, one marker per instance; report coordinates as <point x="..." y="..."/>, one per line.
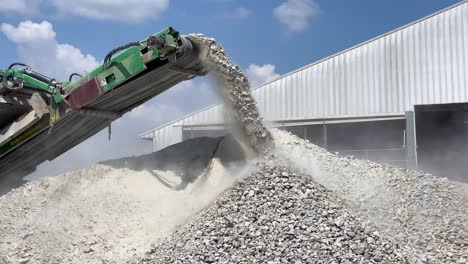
<point x="420" y="63"/>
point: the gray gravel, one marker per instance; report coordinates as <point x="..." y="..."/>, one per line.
<point x="276" y="216"/>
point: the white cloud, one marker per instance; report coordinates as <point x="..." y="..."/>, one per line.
<point x="28" y="31"/>
<point x="260" y="74"/>
<point x="295" y="14"/>
<point x="81" y="63"/>
<point x="19" y="6"/>
<point x="239" y="13"/>
<point x="117" y="10"/>
<point x="38" y="47"/>
<point x="121" y="10"/>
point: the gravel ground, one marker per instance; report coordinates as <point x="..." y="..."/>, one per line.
<point x="426" y="215"/>
<point x="276" y="216"/>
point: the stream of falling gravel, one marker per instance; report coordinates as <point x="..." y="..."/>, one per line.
<point x="234" y="87"/>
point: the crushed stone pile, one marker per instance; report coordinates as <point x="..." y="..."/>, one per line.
<point x="426" y="215"/>
<point x="109" y="213"/>
<point x="276" y="216"/>
<point x="235" y="91"/>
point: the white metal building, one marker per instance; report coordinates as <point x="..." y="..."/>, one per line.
<point x="373" y="91"/>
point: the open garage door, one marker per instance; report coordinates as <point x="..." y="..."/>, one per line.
<point x="380" y="139"/>
<point x="442" y="140"/>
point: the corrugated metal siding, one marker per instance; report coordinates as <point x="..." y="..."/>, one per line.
<point x="166" y="136"/>
<point x="422" y="63"/>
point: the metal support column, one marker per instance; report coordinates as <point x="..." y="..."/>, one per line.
<point x="325" y="137"/>
<point x="411" y="149"/>
<point x="154" y="141"/>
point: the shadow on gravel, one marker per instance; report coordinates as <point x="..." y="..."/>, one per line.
<point x="188" y="159"/>
<point x="6" y="185"/>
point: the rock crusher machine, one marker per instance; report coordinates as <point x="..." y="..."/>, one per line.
<point x="41" y="118"/>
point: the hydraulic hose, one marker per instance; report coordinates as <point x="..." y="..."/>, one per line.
<point x="109" y="55"/>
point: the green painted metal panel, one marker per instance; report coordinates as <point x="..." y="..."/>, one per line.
<point x="123" y="66"/>
<point x="121" y="71"/>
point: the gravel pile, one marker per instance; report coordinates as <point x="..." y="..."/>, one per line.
<point x="110" y="213"/>
<point x="426" y="215"/>
<point x="276" y="216"/>
<point x="235" y="91"/>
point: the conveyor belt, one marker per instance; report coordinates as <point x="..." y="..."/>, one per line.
<point x="74" y="128"/>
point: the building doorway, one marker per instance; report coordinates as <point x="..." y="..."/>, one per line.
<point x="441" y="138"/>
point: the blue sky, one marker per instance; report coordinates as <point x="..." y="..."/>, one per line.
<point x="265" y="37"/>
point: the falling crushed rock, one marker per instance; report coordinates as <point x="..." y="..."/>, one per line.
<point x="235" y="91"/>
